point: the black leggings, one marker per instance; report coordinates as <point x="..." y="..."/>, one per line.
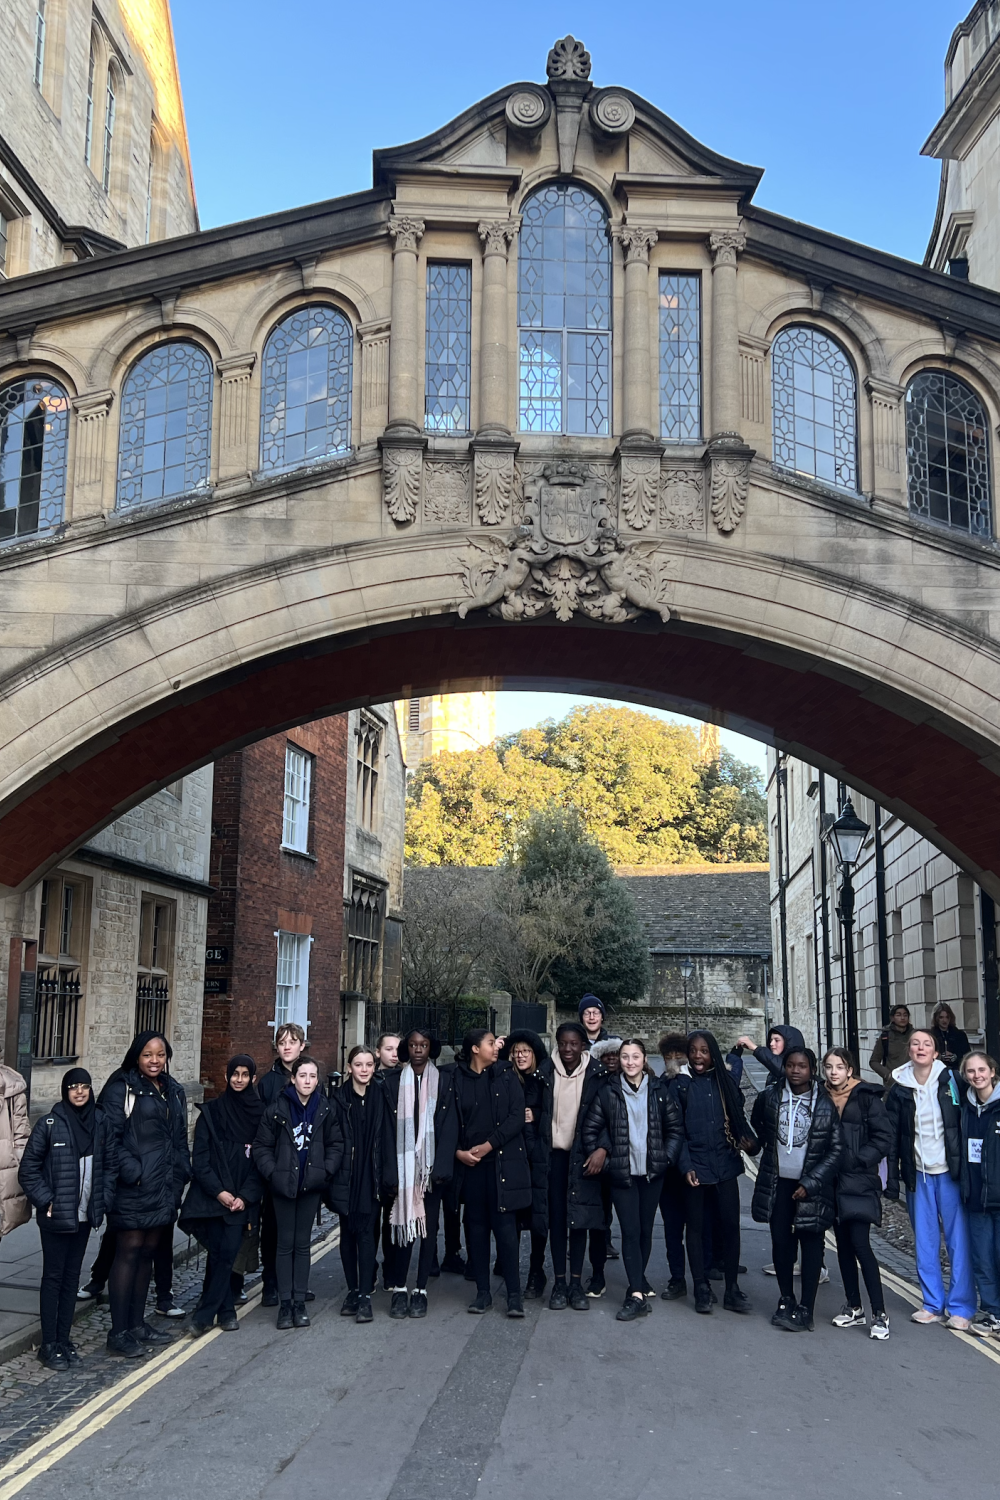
<point x="786" y="1240"/>
<point x="294" y="1218"/>
<point x="428" y="1245"/>
<point x="483" y="1214"/>
<point x="854" y="1249"/>
<point x="635" y="1206"/>
<point x="268" y="1242"/>
<point x="559" y="1221"/>
<point x="62" y="1257"/>
<point x="222" y="1239"/>
<point x="717" y="1203"/>
<point x="672" y="1211"/>
<point x="357" y="1256"/>
<point x="128" y="1284"/>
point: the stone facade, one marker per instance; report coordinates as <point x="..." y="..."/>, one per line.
<point x="702" y="575"/>
<point x="62" y="200"/>
<point x="445" y="722"/>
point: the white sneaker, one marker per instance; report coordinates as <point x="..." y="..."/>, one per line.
<point x="958" y="1323"/>
<point x="824" y="1275"/>
<point x="880" y="1327"/>
<point x="924" y="1315"/>
<point x="769" y="1270"/>
<point x="849" y="1317"/>
<point x="985" y="1325"/>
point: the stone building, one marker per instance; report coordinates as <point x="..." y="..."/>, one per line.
<point x="93" y="146"/>
<point x="445" y="722"/>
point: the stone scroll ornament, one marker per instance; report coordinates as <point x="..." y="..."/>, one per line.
<point x="565" y="558"/>
<point x="730" y="487"/>
<point x="401" y="470"/>
<point x="494" y="486"/>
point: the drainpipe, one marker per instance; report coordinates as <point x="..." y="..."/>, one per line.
<point x="883" y="936"/>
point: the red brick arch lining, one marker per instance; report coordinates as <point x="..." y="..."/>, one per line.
<point x="935" y="779"/>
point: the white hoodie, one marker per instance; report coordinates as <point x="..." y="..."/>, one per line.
<point x="929" y="1152"/>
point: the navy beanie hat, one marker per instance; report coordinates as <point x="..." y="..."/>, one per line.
<point x="587" y="1002"/>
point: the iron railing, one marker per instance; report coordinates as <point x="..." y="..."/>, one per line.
<point x="57" y="1010"/>
<point x="151" y="1000"/>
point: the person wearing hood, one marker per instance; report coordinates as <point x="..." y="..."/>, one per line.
<point x="592" y="1013"/>
<point x="779" y="1040"/>
<point x="801" y="1142"/>
<point x="633" y="1128"/>
<point x="365" y="1175"/>
<point x="14" y="1132"/>
<point x="980" y="1182"/>
<point x="423" y="1126"/>
<point x="223" y="1199"/>
<point x="298" y="1147"/>
<point x="711" y="1160"/>
<point x="492" y="1173"/>
<point x="526" y="1052"/>
<point x="891" y="1049"/>
<point x="925" y="1111"/>
<point x="867" y="1139"/>
<point x="68" y="1172"/>
<point x="147" y="1112"/>
<point x="575" y="1205"/>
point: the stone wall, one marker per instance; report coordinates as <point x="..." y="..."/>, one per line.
<point x="378" y="853"/>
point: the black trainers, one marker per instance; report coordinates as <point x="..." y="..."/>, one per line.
<point x="72" y="1354"/>
<point x="482" y="1303"/>
<point x="703" y="1298"/>
<point x="400" y="1306"/>
<point x="596" y="1286"/>
<point x="515" y="1307"/>
<point x="269" y="1297"/>
<point x="647" y="1290"/>
<point x="169" y="1308"/>
<point x="737" y="1301"/>
<point x="716" y="1273"/>
<point x="124" y="1346"/>
<point x="349" y="1306"/>
<point x="782" y="1315"/>
<point x="309" y="1297"/>
<point x="612" y="1252"/>
<point x="559" y="1296"/>
<point x="147" y="1334"/>
<point x="676" y="1287"/>
<point x="52" y="1357"/>
<point x="230" y="1325"/>
<point x="535" y="1285"/>
<point x="364" y="1313"/>
<point x="418" y="1305"/>
<point x="632" y="1308"/>
<point x="284" y="1316"/>
<point x="577" y="1297"/>
<point x="454" y="1264"/>
<point x="300" y="1318"/>
<point x="802" y="1320"/>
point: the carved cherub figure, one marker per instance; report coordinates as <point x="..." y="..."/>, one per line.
<point x="637" y="586"/>
<point x="503" y="570"/>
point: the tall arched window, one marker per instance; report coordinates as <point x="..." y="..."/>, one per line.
<point x="814" y="397"/>
<point x="306" y="400"/>
<point x="34" y="421"/>
<point x="564" y="313"/>
<point x="166" y="425"/>
<point x="88" y="138"/>
<point x="947" y="453"/>
<point x="110" y="110"/>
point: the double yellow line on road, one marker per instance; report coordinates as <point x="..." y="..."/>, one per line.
<point x="108" y="1404"/>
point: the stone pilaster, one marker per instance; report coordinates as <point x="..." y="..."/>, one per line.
<point x="403" y="442"/>
<point x="493" y="447"/>
<point x="639" y="451"/>
<point x="235" y="456"/>
<point x="888" y="438"/>
<point x="91" y="411"/>
<point x="727" y="457"/>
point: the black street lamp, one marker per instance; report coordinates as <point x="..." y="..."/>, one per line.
<point x="687" y="969"/>
<point x="846" y="836"/>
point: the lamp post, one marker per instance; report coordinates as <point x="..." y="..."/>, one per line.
<point x="846" y="837"/>
<point x="687" y="969"/>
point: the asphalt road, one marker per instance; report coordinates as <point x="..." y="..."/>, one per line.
<point x="566" y="1406"/>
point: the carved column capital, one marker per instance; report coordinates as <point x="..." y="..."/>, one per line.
<point x="405" y="233"/>
<point x="726" y="245"/>
<point x="636" y="243"/>
<point x="92" y="404"/>
<point x="498" y="235"/>
<point x="236" y="366"/>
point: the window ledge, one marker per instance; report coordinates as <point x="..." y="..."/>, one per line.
<point x="300" y="853"/>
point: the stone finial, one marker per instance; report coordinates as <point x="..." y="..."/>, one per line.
<point x="568" y="59"/>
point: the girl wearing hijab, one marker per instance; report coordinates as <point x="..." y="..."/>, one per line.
<point x="147" y="1113"/>
<point x="68" y="1173"/>
<point x="711" y="1160"/>
<point x="223" y="1199"/>
<point x="356" y="1189"/>
<point x="298" y="1148"/>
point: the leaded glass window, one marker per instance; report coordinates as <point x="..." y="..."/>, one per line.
<point x="34" y="423"/>
<point x="306" y="406"/>
<point x="814" y="396"/>
<point x="564" y="313"/>
<point x="947" y="453"/>
<point x="680" y="358"/>
<point x="448" y="345"/>
<point x="166" y="425"/>
<point x="110" y="110"/>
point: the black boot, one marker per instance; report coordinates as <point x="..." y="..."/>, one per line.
<point x="284" y="1316"/>
<point x="535" y="1285"/>
<point x="703" y="1298"/>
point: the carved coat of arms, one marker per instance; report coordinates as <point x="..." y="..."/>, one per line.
<point x="565" y="558"/>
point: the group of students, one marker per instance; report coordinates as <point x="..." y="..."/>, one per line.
<point x="520" y="1142"/>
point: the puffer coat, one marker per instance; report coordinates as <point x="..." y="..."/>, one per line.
<point x="276" y="1155"/>
<point x="50" y="1171"/>
<point x="509" y="1157"/>
<point x="14" y="1132"/>
<point x="150" y="1131"/>
<point x="815" y="1212"/>
<point x="868" y="1136"/>
<point x="219" y="1165"/>
<point x="606" y="1125"/>
<point x="586" y="1205"/>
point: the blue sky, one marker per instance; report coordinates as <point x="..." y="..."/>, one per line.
<point x="833" y="101"/>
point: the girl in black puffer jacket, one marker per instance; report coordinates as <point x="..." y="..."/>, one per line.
<point x="364" y="1179"/>
<point x="68" y="1172"/>
<point x="801" y="1142"/>
<point x="147" y="1112"/>
<point x="636" y="1124"/>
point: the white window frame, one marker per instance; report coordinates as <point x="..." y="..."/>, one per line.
<point x="39" y="63"/>
<point x="291" y="991"/>
<point x="298" y="800"/>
